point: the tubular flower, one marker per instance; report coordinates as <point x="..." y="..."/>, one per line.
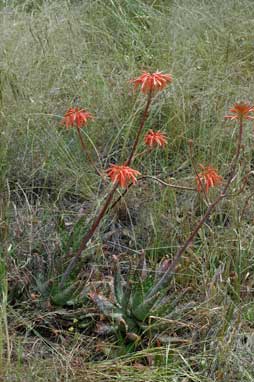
<point x="122" y="174"/>
<point x="207" y="178"/>
<point x="241" y="111"/>
<point x="155" y="138"/>
<point x="75" y="116"/>
<point x="152" y="82"/>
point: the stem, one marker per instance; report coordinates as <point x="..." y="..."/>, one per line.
<point x="162" y="283"/>
<point x="142" y="124"/>
<point x="146" y="151"/>
<point x="87" y="237"/>
<point x="104" y="209"/>
<point x="170" y="185"/>
<point x="169" y="274"/>
<point x="197" y="174"/>
<point x="174" y="186"/>
<point x="83" y="145"/>
<point x="121" y="196"/>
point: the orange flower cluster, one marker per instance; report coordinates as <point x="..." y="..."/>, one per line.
<point x="122" y="174"/>
<point x="241" y="111"/>
<point x="75" y="116"/>
<point x="207" y="178"/>
<point x="152" y="82"/>
<point x="155" y="138"/>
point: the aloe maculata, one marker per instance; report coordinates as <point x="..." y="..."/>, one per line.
<point x="133" y="303"/>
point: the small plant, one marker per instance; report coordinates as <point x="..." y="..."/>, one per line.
<point x="134" y="302"/>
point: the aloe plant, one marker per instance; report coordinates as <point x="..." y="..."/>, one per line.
<point x="133" y="303"/>
<point x="47" y="287"/>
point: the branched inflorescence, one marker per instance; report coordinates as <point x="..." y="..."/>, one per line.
<point x="133" y="301"/>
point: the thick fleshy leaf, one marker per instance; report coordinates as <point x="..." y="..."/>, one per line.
<point x="137" y="294"/>
<point x="44" y="286"/>
<point x="62" y="298"/>
<point x="142" y="311"/>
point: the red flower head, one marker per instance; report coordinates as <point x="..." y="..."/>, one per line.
<point x="122" y="174"/>
<point x="155" y="138"/>
<point x="241" y="111"/>
<point x="207" y="178"/>
<point x="76" y="116"/>
<point x="152" y="82"/>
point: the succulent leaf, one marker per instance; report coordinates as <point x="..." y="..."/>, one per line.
<point x="138" y="293"/>
<point x="141" y="312"/>
<point x="62" y="298"/>
<point x="44" y="286"/>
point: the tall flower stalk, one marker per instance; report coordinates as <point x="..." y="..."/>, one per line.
<point x="88" y="236"/>
<point x="240" y="115"/>
<point x="141" y="127"/>
<point x="119" y="174"/>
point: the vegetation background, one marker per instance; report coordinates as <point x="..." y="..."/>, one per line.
<point x="56" y="54"/>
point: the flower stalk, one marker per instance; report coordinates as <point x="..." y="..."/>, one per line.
<point x="165" y="279"/>
<point x="87" y="237"/>
<point x="119" y="174"/>
<point x="141" y="126"/>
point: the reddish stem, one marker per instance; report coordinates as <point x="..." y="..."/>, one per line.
<point x="88" y="236"/>
<point x="142" y="124"/>
<point x="104" y="209"/>
<point x="163" y="282"/>
<point x="197" y="174"/>
<point x="174" y="186"/>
